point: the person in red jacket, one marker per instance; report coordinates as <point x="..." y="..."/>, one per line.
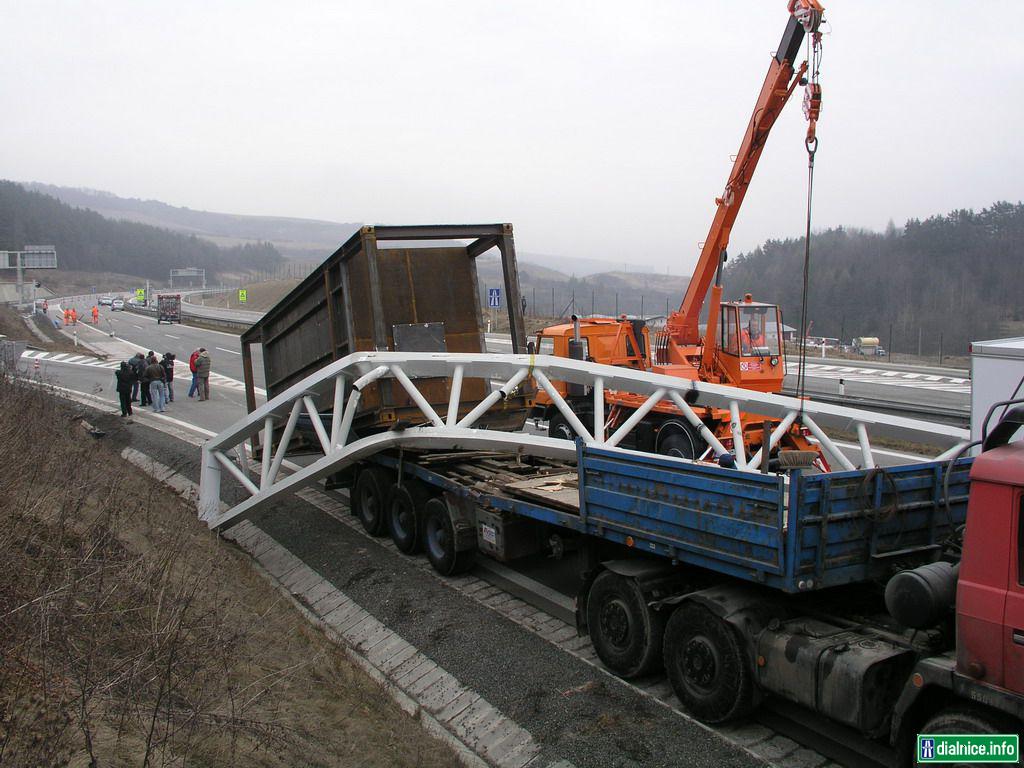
<point x="192" y="367"/>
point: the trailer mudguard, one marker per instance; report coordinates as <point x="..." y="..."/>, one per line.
<point x="656" y="578"/>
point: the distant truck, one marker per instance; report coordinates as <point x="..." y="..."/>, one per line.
<point x="168" y="308"/>
<point x="866" y="345"/>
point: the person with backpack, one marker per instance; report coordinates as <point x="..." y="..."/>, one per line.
<point x="192" y="368"/>
<point x="126" y="379"/>
<point x="138" y="365"/>
<point x="203" y="364"/>
<point x="168" y="363"/>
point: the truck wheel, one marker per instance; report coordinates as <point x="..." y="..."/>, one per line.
<point x="625" y="631"/>
<point x="559" y="427"/>
<point x="368" y="500"/>
<point x="707" y="666"/>
<point x="966" y="720"/>
<point x="439" y="540"/>
<point x="405" y="515"/>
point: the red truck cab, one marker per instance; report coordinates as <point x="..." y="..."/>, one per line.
<point x="990" y="591"/>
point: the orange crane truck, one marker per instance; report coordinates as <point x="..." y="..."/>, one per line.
<point x="742" y="343"/>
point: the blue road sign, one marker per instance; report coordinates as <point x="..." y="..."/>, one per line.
<point x="494" y="297"/>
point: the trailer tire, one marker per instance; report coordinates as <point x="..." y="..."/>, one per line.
<point x="369" y="499"/>
<point x="404" y="514"/>
<point x="439" y="539"/>
<point x="625" y="631"/>
<point x="966" y="720"/>
<point x="707" y="666"/>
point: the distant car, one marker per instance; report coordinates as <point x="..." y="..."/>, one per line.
<point x="106" y="301"/>
<point x="117" y="305"/>
<point x="880" y="352"/>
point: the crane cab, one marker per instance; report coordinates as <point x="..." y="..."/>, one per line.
<point x="750" y="350"/>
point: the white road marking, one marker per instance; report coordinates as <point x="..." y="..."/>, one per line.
<point x="881" y="452"/>
<point x="228" y="350"/>
<point x="172" y="337"/>
<point x="851" y="374"/>
<point x="137" y="326"/>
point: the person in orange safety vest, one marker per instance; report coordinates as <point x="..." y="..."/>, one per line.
<point x="751" y="337"/>
<point x="95" y="315"/>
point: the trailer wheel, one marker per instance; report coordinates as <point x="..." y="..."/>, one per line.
<point x="440" y="539"/>
<point x="966" y="720"/>
<point x="405" y="515"/>
<point x="369" y="498"/>
<point x="707" y="666"/>
<point x="625" y="631"/>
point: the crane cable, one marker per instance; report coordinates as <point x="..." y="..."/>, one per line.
<point x="812" y="147"/>
<point x="812" y="105"/>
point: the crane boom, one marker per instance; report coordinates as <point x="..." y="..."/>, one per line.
<point x="781" y="80"/>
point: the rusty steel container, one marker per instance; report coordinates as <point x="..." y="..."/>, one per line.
<point x="415" y="294"/>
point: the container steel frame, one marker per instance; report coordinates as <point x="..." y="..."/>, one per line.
<point x="483" y="238"/>
<point x="346" y="378"/>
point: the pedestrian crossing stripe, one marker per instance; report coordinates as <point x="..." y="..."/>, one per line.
<point x="181" y="370"/>
<point x="885" y="377"/>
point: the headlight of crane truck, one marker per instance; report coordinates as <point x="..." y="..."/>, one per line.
<point x="741" y="345"/>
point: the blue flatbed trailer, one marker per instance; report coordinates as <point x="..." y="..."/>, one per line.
<point x="795" y="533"/>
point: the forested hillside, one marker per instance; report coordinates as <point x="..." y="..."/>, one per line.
<point x="86" y="241"/>
<point x="958" y="275"/>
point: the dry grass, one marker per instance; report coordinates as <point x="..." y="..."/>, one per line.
<point x="130" y="635"/>
<point x="259" y="296"/>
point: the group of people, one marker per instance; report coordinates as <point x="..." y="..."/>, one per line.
<point x="146" y="380"/>
<point x="71" y="314"/>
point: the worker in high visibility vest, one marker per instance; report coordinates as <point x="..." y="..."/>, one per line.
<point x="95" y="315"/>
<point x="67" y="316"/>
<point x="74" y="316"/>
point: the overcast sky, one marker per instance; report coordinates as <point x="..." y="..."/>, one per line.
<point x="599" y="129"/>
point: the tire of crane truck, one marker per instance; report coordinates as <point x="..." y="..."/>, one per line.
<point x="625" y="631"/>
<point x="369" y="499"/>
<point x="440" y="538"/>
<point x="559" y="427"/>
<point x="404" y="514"/>
<point x="680" y="440"/>
<point x="707" y="665"/>
<point x="963" y="719"/>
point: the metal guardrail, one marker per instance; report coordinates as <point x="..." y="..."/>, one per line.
<point x="227" y="324"/>
<point x="913" y="410"/>
<point x="342" y="383"/>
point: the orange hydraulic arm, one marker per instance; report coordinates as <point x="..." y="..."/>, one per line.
<point x="782" y="79"/>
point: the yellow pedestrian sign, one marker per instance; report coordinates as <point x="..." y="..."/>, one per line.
<point x="140" y="294"/>
<point x="242" y="295"/>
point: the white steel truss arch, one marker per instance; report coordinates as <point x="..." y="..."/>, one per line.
<point x="345" y="380"/>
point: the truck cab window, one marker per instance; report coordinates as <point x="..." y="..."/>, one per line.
<point x="759" y="331"/>
<point x="730" y="332"/>
<point x="547" y="346"/>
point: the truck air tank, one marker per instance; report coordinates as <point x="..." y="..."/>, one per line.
<point x="921" y="597"/>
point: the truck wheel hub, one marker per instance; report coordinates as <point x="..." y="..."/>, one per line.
<point x="615" y="624"/>
<point x="700" y="663"/>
